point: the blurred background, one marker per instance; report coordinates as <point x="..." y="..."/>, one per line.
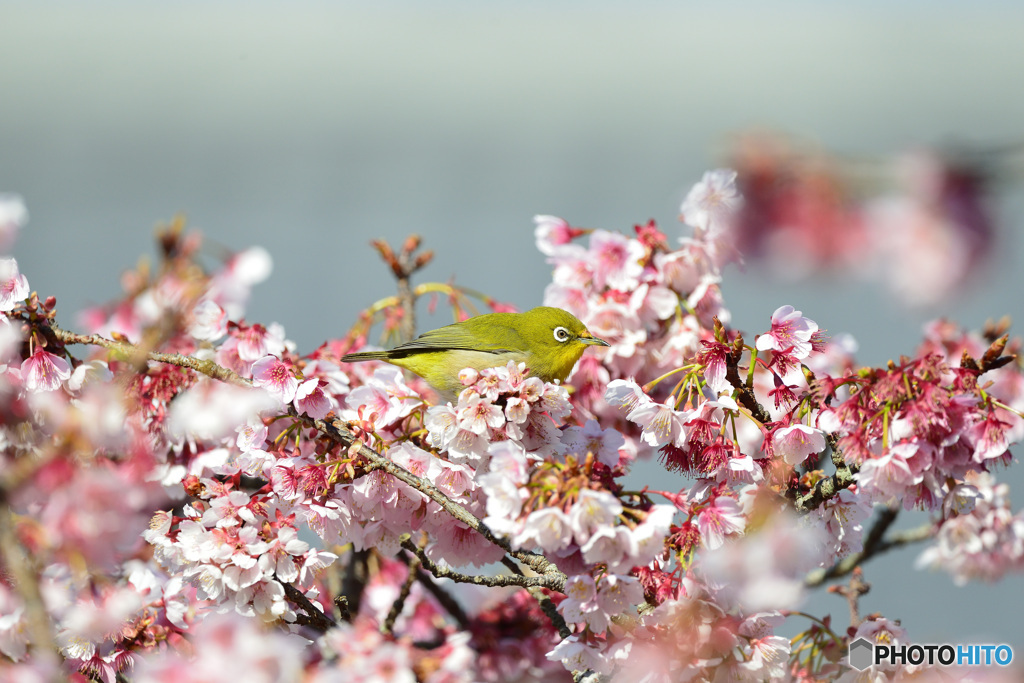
<point x="311" y="128"/>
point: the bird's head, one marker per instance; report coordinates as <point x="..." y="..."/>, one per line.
<point x="556" y="341"/>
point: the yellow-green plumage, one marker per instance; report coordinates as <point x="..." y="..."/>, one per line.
<point x="548" y="340"/>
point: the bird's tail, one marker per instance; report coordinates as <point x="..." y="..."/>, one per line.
<point x="364" y="355"/>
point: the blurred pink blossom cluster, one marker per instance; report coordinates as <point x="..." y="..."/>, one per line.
<point x="923" y="222"/>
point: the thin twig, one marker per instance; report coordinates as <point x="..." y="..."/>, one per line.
<point x="497" y="580"/>
<point x="396" y="609"/>
<point x="852" y="592"/>
<point x="545" y="602"/>
<point x="403" y="265"/>
<point x="313" y="617"/>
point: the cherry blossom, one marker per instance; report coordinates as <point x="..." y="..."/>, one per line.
<point x="13" y="285"/>
<point x="796" y="442"/>
<point x="712" y="201"/>
<point x="791" y="333"/>
<point x="43" y="371"/>
<point x="274" y="375"/>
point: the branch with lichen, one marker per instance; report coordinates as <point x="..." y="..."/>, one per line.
<point x="493" y="581"/>
<point x="135" y="355"/>
<point x="829" y="487"/>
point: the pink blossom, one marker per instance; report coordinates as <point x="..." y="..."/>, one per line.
<point x="275" y="377"/>
<point x="477" y="415"/>
<point x="577" y="656"/>
<point x="617" y="594"/>
<point x="552" y="233"/>
<point x="722" y="517"/>
<point x="619" y="326"/>
<point x="13" y="630"/>
<point x="616" y="260"/>
<point x="226" y="643"/>
<point x="212" y="410"/>
<point x="385" y="398"/>
<point x="791" y="333"/>
<point x="654" y="303"/>
<point x="714" y="357"/>
<point x="604" y="444"/>
<point x="572" y="299"/>
<point x="625" y="394"/>
<point x="547" y="528"/>
<point x="591" y="511"/>
<point x="458" y="545"/>
<point x="310" y="399"/>
<point x="209" y="321"/>
<point x="257" y="341"/>
<point x="842" y="519"/>
<point x="764" y="570"/>
<point x="280" y="557"/>
<point x="989" y="437"/>
<point x="888" y="476"/>
<point x="43" y="371"/>
<point x="13" y="285"/>
<point x="661" y="422"/>
<point x="611" y="545"/>
<point x="89" y="373"/>
<point x="796" y="443"/>
<point x="252" y="436"/>
<point x="648" y="537"/>
<point x="580" y="604"/>
<point x="712" y="201"/>
<point x="231" y="286"/>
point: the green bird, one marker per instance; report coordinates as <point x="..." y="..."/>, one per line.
<point x="549" y="340"/>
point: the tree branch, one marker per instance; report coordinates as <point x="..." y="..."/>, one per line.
<point x="546" y="604"/>
<point x="403" y="595"/>
<point x="829" y="487"/>
<point x="134" y="354"/>
<point x="334" y="429"/>
<point x="403" y="265"/>
<point x="852" y="592"/>
<point x="313" y="617"/>
<point x="873" y="545"/>
<point x="498" y="580"/>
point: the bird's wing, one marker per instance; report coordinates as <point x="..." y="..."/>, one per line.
<point x="457" y="337"/>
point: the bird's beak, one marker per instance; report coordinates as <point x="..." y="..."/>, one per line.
<point x="590" y="339"/>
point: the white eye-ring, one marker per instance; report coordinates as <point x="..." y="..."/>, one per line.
<point x="561" y="335"/>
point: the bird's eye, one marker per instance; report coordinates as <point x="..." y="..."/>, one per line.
<point x="561" y="334"/>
